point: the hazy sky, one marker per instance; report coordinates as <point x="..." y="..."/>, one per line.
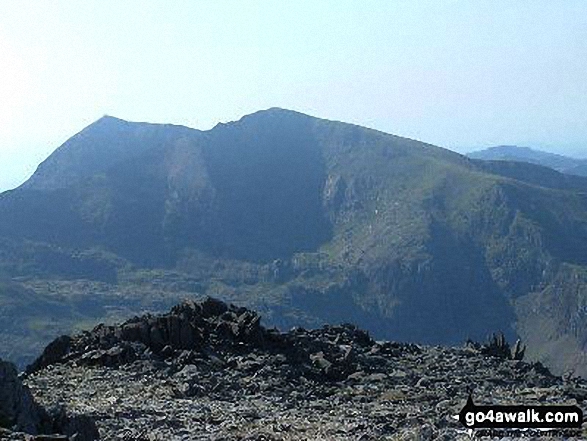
<point x="458" y="74"/>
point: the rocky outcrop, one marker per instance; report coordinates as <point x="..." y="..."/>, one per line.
<point x="497" y="346"/>
<point x="209" y="370"/>
<point x="18" y="409"/>
<point x="190" y="326"/>
<point x="21" y="415"/>
<point x="208" y="329"/>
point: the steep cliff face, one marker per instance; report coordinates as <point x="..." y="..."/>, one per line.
<point x="316" y="221"/>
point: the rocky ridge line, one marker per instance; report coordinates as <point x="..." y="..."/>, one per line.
<point x="208" y="370"/>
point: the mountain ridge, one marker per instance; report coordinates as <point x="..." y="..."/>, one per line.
<point x="312" y="220"/>
<point x="561" y="163"/>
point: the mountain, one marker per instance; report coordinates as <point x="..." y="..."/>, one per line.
<point x="310" y="221"/>
<point x="208" y="370"/>
<point x="564" y="164"/>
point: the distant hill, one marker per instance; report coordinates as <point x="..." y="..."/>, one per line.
<point x="309" y="221"/>
<point x="564" y="164"/>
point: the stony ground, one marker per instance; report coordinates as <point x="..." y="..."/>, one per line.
<point x="224" y="377"/>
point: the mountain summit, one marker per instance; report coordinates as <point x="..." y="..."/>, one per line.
<point x="309" y="220"/>
<point x="98" y="148"/>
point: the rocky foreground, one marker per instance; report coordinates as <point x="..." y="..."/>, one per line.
<point x="210" y="371"/>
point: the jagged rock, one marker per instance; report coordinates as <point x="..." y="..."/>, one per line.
<point x="211" y="371"/>
<point x="212" y="307"/>
<point x="53" y="353"/>
<point x="18" y="410"/>
<point x="121" y="353"/>
<point x="21" y="416"/>
<point x="497" y="346"/>
<point x="518" y="351"/>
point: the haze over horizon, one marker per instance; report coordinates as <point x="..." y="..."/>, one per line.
<point x="461" y="75"/>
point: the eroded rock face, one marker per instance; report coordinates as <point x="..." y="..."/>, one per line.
<point x="18" y="410"/>
<point x="21" y="417"/>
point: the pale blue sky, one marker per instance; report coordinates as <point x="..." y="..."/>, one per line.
<point x="458" y="74"/>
